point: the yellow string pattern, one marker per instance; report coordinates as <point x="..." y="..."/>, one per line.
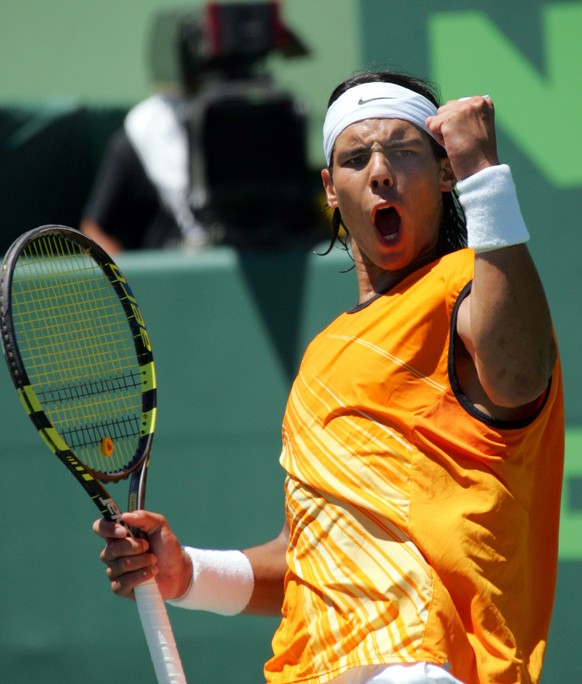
<point x="78" y="350"/>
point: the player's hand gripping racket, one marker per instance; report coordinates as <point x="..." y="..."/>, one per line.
<point x="80" y="356"/>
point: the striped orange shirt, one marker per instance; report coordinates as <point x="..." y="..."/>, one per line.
<point x="420" y="530"/>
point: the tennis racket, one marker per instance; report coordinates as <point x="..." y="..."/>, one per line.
<point x="80" y="357"/>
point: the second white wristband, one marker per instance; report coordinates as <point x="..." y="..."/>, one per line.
<point x="222" y="582"/>
<point x="491" y="207"/>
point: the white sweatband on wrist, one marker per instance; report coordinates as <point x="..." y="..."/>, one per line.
<point x="491" y="207"/>
<point x="222" y="582"/>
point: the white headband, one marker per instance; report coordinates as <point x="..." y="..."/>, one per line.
<point x="374" y="101"/>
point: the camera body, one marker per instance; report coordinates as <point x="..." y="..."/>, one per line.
<point x="229" y="38"/>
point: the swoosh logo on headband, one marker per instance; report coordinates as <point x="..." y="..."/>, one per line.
<point x="361" y="101"/>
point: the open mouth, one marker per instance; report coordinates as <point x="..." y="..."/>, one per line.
<point x="387" y="222"/>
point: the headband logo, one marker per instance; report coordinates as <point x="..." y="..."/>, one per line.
<point x="361" y="101"/>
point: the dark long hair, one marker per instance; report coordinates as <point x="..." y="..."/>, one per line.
<point x="453" y="231"/>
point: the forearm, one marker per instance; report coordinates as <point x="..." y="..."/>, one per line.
<point x="269" y="567"/>
<point x="506" y="323"/>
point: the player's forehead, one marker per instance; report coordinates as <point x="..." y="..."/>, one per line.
<point x="384" y="131"/>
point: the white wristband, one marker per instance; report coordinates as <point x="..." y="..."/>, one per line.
<point x="491" y="207"/>
<point x="222" y="582"/>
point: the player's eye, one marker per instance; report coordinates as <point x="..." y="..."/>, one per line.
<point x="403" y="154"/>
<point x="355" y="160"/>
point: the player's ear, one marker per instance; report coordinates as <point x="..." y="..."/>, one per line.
<point x="447" y="178"/>
<point x="329" y="188"/>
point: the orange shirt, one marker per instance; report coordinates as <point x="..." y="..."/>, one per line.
<point x="419" y="529"/>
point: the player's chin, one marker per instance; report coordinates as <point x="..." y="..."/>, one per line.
<point x="391" y="254"/>
<point x="398" y="254"/>
<point x="391" y="244"/>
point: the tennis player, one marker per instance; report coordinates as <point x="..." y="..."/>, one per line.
<point x="424" y="434"/>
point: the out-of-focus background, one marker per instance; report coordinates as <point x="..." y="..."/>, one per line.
<point x="247" y="304"/>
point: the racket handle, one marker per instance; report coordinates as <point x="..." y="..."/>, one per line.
<point x="158" y="633"/>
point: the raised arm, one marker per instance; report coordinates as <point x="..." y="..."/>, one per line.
<point x="505" y="323"/>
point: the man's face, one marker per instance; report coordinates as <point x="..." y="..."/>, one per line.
<point x="387" y="184"/>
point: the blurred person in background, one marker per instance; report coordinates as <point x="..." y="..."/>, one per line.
<point x="151" y="189"/>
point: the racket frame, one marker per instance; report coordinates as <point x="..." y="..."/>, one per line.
<point x="88" y="478"/>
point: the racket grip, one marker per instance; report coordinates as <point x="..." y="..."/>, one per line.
<point x="158" y="633"/>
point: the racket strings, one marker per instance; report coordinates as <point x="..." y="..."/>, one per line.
<point x="55" y="394"/>
<point x="92" y="435"/>
<point x="79" y="352"/>
<point x="79" y="429"/>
